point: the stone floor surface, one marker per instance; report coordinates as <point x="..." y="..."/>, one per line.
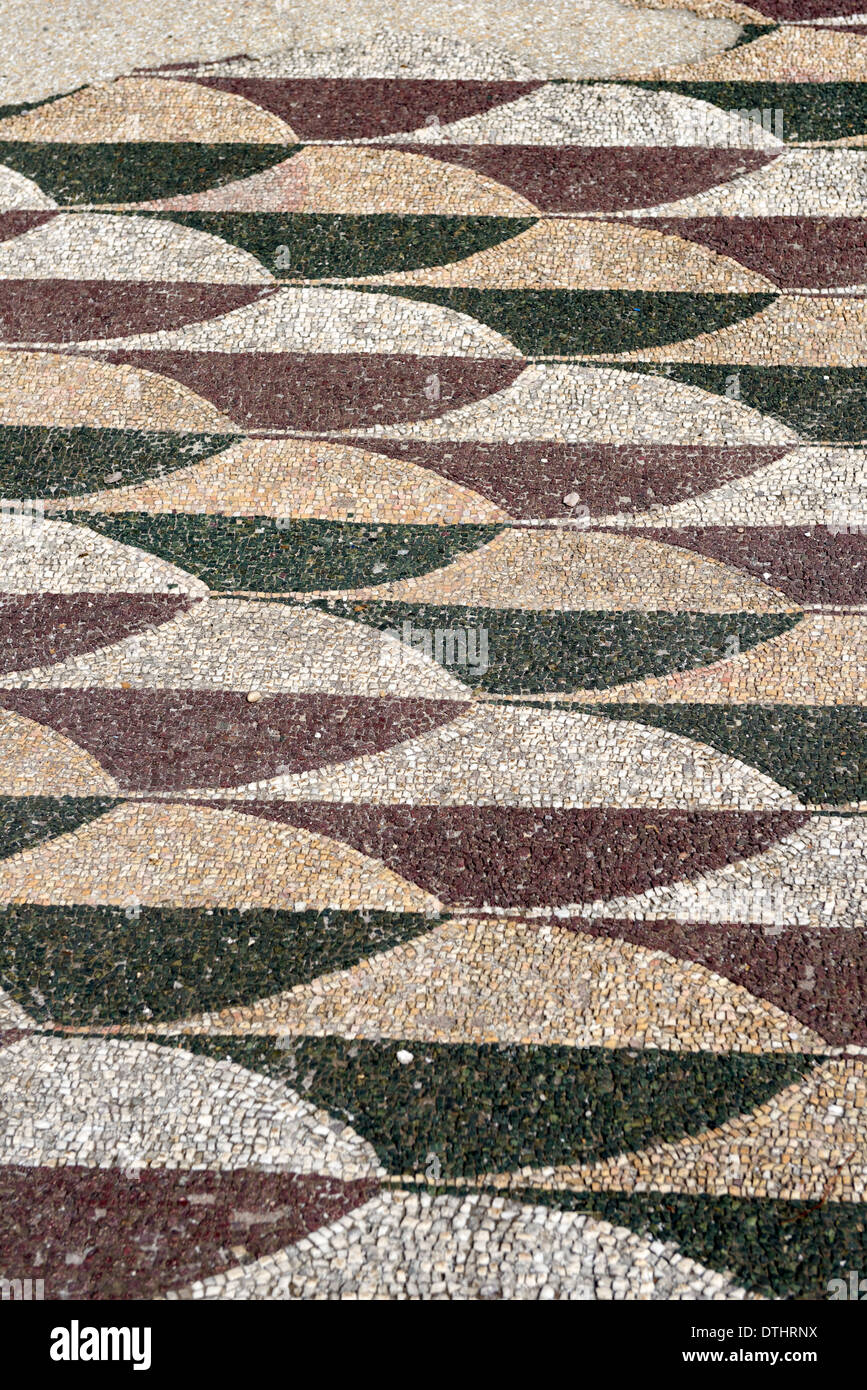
<point x="433" y="649"/>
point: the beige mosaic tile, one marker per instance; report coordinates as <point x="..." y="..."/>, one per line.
<point x="263" y="648"/>
<point x="498" y="982"/>
<point x="103" y="246"/>
<point x="567" y="569"/>
<point x="44" y="388"/>
<point x="147" y="108"/>
<point x="569" y="253"/>
<point x="303" y="478"/>
<point x="37" y="761"/>
<point x="822" y="661"/>
<point x="509" y="755"/>
<point x="564" y="402"/>
<point x="154" y="854"/>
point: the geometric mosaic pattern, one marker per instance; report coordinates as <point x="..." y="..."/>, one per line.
<point x="433" y="669"/>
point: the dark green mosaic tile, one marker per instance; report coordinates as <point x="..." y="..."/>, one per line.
<point x="18" y="108"/>
<point x="476" y="1109"/>
<point x="119" y="965"/>
<point x="258" y="554"/>
<point x="135" y="171"/>
<point x="533" y="651"/>
<point x="545" y="323"/>
<point x="296" y="245"/>
<point x="750" y="32"/>
<point x="25" y="820"/>
<point x="775" y="1248"/>
<point x="45" y="461"/>
<point x="810" y="110"/>
<point x="496" y="1108"/>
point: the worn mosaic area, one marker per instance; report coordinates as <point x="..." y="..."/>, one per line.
<point x="434" y="662"/>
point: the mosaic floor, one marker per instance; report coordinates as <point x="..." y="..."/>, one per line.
<point x="434" y="656"/>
